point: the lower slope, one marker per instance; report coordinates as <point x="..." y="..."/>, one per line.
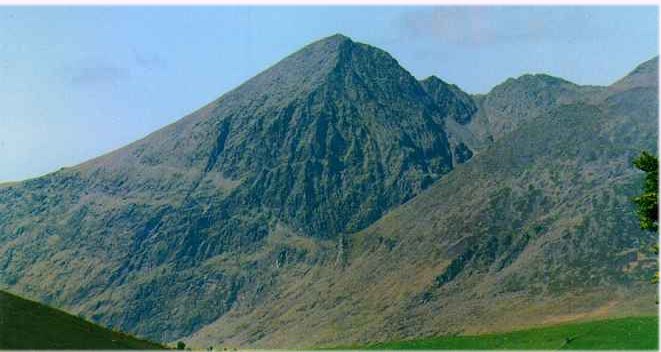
<point x="25" y="324"/>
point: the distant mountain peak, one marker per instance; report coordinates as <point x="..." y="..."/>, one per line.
<point x="520" y="99"/>
<point x="644" y="75"/>
<point x="534" y="81"/>
<point x="537" y="89"/>
<point x="650" y="65"/>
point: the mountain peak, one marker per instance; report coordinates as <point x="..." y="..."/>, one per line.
<point x="650" y="65"/>
<point x="644" y="75"/>
<point x="435" y="81"/>
<point x="456" y="103"/>
<point x="337" y="37"/>
<point x="520" y="99"/>
<point x="328" y="109"/>
<point x="536" y="89"/>
<point x="327" y="45"/>
<point x="300" y="73"/>
<point x="432" y="78"/>
<point x="534" y="81"/>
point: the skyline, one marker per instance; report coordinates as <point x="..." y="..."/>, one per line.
<point x="81" y="82"/>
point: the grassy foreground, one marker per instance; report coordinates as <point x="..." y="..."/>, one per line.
<point x="635" y="333"/>
<point x="25" y="324"/>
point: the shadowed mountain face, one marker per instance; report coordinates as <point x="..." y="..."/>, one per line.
<point x="458" y="105"/>
<point x="255" y="220"/>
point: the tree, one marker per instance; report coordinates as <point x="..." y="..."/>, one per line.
<point x="181" y="345"/>
<point x="647" y="204"/>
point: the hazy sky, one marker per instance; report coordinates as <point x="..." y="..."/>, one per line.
<point x="79" y="82"/>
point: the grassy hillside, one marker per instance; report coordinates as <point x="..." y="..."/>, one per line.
<point x="25" y="324"/>
<point x="640" y="333"/>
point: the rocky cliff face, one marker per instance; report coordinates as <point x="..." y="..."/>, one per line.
<point x="259" y="219"/>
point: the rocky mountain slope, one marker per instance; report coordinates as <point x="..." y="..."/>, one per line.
<point x="253" y="221"/>
<point x="539" y="229"/>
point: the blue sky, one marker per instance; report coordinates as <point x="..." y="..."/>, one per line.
<point x="76" y="82"/>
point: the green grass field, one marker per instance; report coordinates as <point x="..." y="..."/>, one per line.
<point x="25" y="324"/>
<point x="636" y="333"/>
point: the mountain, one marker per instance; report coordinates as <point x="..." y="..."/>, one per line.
<point x="29" y="325"/>
<point x="167" y="234"/>
<point x="335" y="199"/>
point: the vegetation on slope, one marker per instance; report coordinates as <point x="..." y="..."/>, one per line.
<point x="634" y="333"/>
<point x="25" y="324"/>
